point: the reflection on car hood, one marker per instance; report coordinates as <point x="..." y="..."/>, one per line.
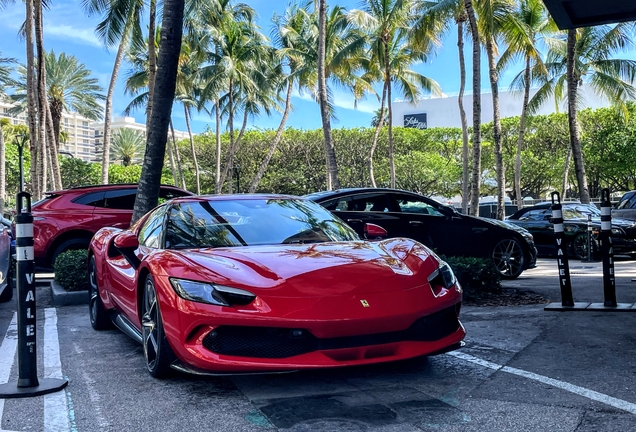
<point x="317" y="269"/>
<point x="510" y="225"/>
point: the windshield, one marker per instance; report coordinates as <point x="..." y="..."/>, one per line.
<point x="252" y="222"/>
<point x="580" y="211"/>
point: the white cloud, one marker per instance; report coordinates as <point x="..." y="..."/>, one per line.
<point x="84" y="36"/>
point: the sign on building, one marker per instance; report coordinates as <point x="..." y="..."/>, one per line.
<point x="417" y="121"/>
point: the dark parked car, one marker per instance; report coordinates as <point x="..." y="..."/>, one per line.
<point x="67" y="219"/>
<point x="538" y="220"/>
<point x="626" y="206"/>
<point x="438" y="226"/>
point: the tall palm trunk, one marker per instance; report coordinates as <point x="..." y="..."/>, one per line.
<point x="152" y="60"/>
<point x="32" y="110"/>
<point x="330" y="153"/>
<point x="163" y="98"/>
<point x="387" y="83"/>
<point x="462" y="113"/>
<point x="229" y="166"/>
<point x="194" y="153"/>
<point x="41" y="92"/>
<point x="376" y="135"/>
<point x="496" y="127"/>
<point x="522" y="130"/>
<point x="279" y="134"/>
<point x="173" y="166"/>
<point x="56" y="176"/>
<point x="177" y="156"/>
<point x="575" y="133"/>
<point x="230" y="122"/>
<point x="108" y="111"/>
<point x="217" y="113"/>
<point x="566" y="172"/>
<point x="476" y="175"/>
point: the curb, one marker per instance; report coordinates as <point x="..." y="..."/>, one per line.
<point x="61" y="297"/>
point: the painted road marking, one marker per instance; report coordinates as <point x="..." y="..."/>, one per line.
<point x="581" y="391"/>
<point x="7" y="355"/>
<point x="56" y="414"/>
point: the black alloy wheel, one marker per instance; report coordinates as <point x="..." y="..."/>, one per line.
<point x="157" y="351"/>
<point x="96" y="311"/>
<point x="508" y="258"/>
<point x="579" y="246"/>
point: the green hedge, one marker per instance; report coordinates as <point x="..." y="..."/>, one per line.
<point x="71" y="270"/>
<point x="477" y="276"/>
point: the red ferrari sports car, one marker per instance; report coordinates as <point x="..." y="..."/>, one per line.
<point x="268" y="283"/>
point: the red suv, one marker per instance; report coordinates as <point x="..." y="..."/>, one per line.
<point x="68" y="219"/>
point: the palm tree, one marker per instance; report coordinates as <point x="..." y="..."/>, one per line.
<point x="492" y="16"/>
<point x="387" y="24"/>
<point x="116" y="28"/>
<point x="522" y="33"/>
<point x="476" y="172"/>
<point x="5" y="81"/>
<point x="460" y="18"/>
<point x="587" y="55"/>
<point x="286" y="35"/>
<point x="150" y="181"/>
<point x="127" y="146"/>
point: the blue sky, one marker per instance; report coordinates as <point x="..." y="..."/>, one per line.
<point x="68" y="29"/>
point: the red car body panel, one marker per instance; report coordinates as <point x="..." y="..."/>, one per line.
<point x="332" y="290"/>
<point x="58" y="217"/>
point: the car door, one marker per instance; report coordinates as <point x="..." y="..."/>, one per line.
<point x="539" y="222"/>
<point x="436" y="225"/>
<point x="356" y="209"/>
<point x="123" y="268"/>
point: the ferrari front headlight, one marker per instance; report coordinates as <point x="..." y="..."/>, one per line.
<point x="203" y="292"/>
<point x="443" y="277"/>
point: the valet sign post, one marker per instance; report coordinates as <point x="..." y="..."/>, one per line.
<point x="28" y="383"/>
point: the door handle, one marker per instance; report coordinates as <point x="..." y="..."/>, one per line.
<point x="418" y="223"/>
<point x="354" y="220"/>
<point x="479" y="230"/>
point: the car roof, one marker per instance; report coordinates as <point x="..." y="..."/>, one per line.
<point x="103" y="187"/>
<point x="333" y="193"/>
<point x="232" y="197"/>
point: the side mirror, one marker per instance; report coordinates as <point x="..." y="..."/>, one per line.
<point x="374" y="232"/>
<point x="126" y="240"/>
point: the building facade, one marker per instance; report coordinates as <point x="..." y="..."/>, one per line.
<point x="444" y="111"/>
<point x="84" y="137"/>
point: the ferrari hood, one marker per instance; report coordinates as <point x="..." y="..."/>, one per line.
<point x="317" y="269"/>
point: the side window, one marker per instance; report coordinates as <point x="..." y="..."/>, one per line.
<point x="337" y="204"/>
<point x="409" y="204"/>
<point x="536" y="215"/>
<point x="94" y="199"/>
<point x="371" y="202"/>
<point x="123" y="199"/>
<point x="627" y="201"/>
<point x="632" y="202"/>
<point x="150" y="234"/>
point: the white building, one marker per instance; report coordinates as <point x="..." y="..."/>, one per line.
<point x="444" y="111"/>
<point x="84" y="136"/>
<point x="125" y="123"/>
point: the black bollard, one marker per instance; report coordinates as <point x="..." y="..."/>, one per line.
<point x="567" y="302"/>
<point x="607" y="251"/>
<point x="28" y="383"/>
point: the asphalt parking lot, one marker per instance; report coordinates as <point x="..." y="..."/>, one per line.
<point x="523" y="369"/>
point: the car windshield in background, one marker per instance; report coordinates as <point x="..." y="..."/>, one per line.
<point x="580" y="212"/>
<point x="251" y="222"/>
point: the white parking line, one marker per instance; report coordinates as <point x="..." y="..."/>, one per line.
<point x="55" y="404"/>
<point x="7" y="355"/>
<point x="581" y="391"/>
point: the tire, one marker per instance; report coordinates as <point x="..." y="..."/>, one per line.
<point x="70" y="244"/>
<point x="157" y="351"/>
<point x="7" y="294"/>
<point x="579" y="246"/>
<point x="96" y="310"/>
<point x="509" y="258"/>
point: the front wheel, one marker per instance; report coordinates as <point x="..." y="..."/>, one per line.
<point x="579" y="246"/>
<point x="157" y="351"/>
<point x="508" y="258"/>
<point x="96" y="311"/>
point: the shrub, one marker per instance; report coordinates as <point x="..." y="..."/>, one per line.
<point x="477" y="276"/>
<point x="71" y="270"/>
